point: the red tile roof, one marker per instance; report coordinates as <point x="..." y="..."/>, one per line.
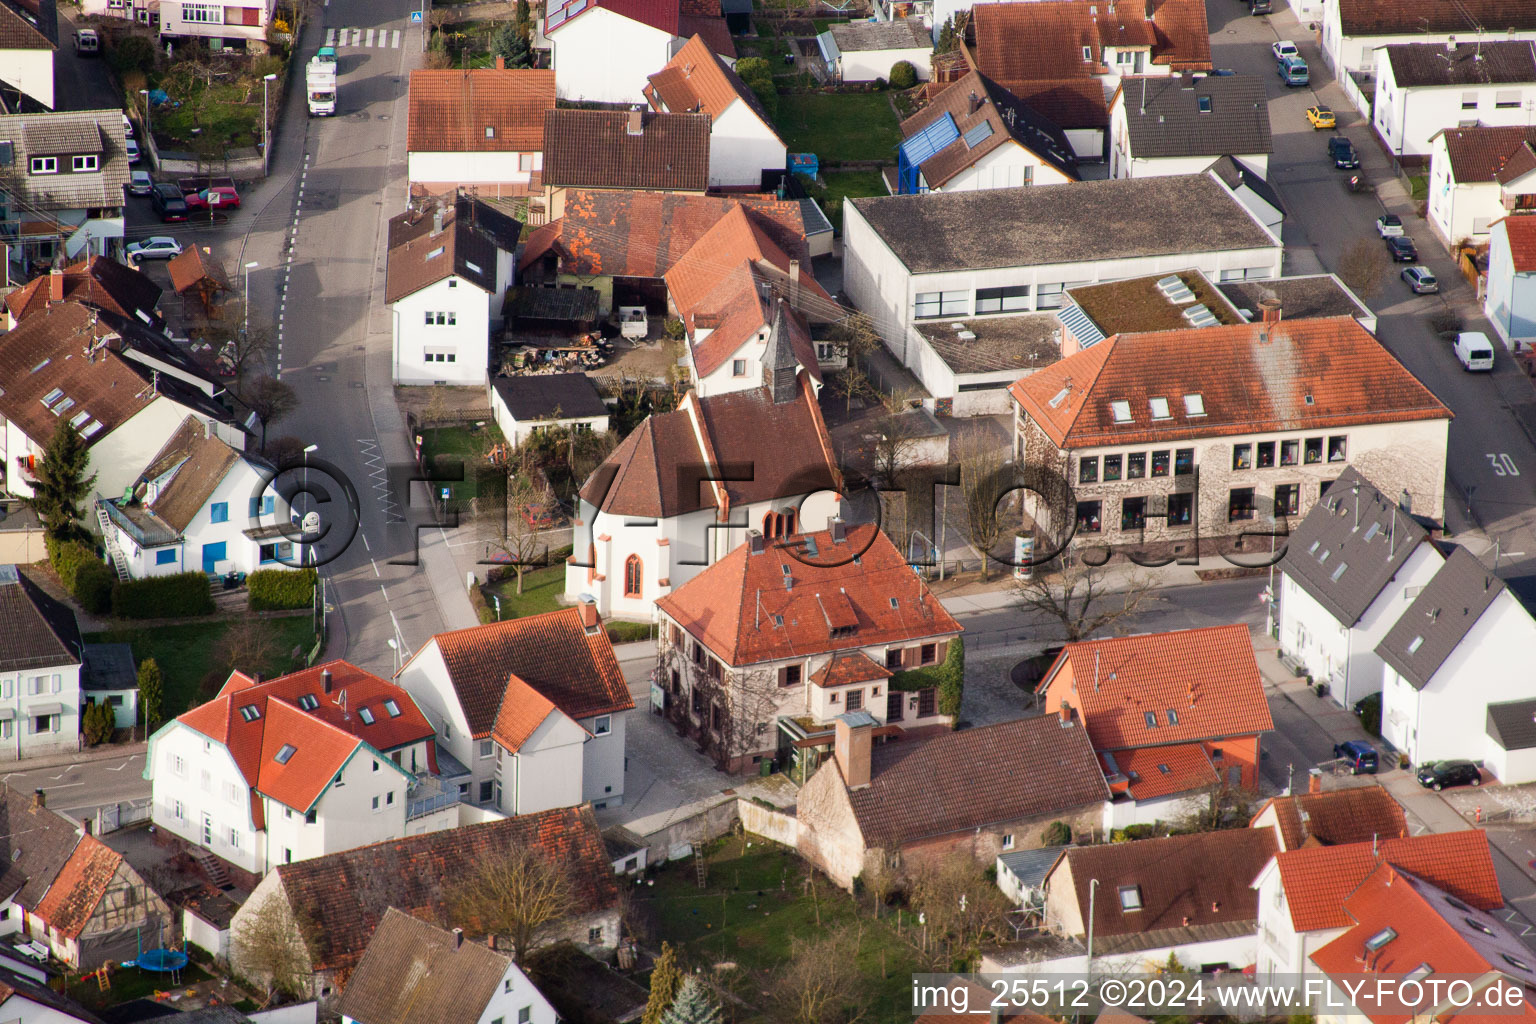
<point x="734" y="607"/>
<point x="1336" y="817"/>
<point x="1041" y="44"/>
<point x="849" y="667"/>
<point x="324" y="737"/>
<point x="1427" y="930"/>
<point x="351" y="891"/>
<point x="1412" y="17"/>
<point x="72" y="899"/>
<point x="1207" y="678"/>
<point x="450" y="110"/>
<point x="642" y="234"/>
<point x="95" y="281"/>
<point x="523" y="710"/>
<point x="961" y="781"/>
<point x="1188" y="767"/>
<point x="192" y="267"/>
<point x="1252" y="378"/>
<point x="596" y="149"/>
<point x="1479" y="153"/>
<point x="1183" y="881"/>
<point x="1521" y="231"/>
<point x="697" y="80"/>
<point x="1318" y="879"/>
<point x="553" y="653"/>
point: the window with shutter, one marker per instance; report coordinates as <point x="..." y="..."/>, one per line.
<point x="943" y="651"/>
<point x="909" y="657"/>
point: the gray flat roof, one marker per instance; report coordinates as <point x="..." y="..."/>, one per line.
<point x="1014" y="343"/>
<point x="1311" y="295"/>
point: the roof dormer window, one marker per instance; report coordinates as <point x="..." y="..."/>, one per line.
<point x="1194" y="405"/>
<point x="45" y="165"/>
<point x="1088" y="53"/>
<point x="1121" y="411"/>
<point x="87" y="162"/>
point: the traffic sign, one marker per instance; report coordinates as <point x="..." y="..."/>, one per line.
<point x="415" y="17"/>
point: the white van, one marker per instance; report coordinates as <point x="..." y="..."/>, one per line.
<point x="1474" y="350"/>
<point x="86" y="42"/>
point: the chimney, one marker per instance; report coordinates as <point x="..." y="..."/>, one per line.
<point x="1271" y="310"/>
<point x="1187" y="920"/>
<point x="39" y="799"/>
<point x="839" y="530"/>
<point x="1151" y="9"/>
<point x="587" y="610"/>
<point x="458" y="937"/>
<point x="855" y="736"/>
<point x="1215" y="906"/>
<point x="635" y="127"/>
<point x="501" y="63"/>
<point x="490" y="942"/>
<point x="975" y="103"/>
<point x="794" y="282"/>
<point x="1450" y="44"/>
<point x="755" y="542"/>
<point x="1314" y="780"/>
<point x="1065" y="711"/>
<point x="437" y="219"/>
<point x="55" y="285"/>
<point x="325" y="680"/>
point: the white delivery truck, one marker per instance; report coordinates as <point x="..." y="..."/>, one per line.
<point x="320" y="83"/>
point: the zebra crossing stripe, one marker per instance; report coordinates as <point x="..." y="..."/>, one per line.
<point x="357" y="37"/>
<point x="330" y="37"/>
<point x="394" y="42"/>
<point x="368" y="38"/>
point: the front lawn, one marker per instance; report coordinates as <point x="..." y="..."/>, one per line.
<point x="187" y="653"/>
<point x="468" y="445"/>
<point x="757" y="895"/>
<point x="839" y="186"/>
<point x="839" y="126"/>
<point x="541" y="593"/>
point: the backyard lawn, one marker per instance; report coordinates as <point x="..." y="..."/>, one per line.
<point x="754" y="899"/>
<point x="469" y="446"/>
<point x="541" y="593"/>
<point x="839" y="186"/>
<point x="839" y="126"/>
<point x="129" y="983"/>
<point x="186" y="653"/>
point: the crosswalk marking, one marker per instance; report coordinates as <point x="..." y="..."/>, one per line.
<point x="382" y="38"/>
<point x="369" y="38"/>
<point x="330" y="37"/>
<point x="394" y="42"/>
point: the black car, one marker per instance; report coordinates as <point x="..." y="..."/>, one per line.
<point x="1402" y="249"/>
<point x="1342" y="152"/>
<point x="167" y="202"/>
<point x="1436" y="775"/>
<point x="1260" y="7"/>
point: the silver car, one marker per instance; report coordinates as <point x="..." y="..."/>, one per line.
<point x="1420" y="280"/>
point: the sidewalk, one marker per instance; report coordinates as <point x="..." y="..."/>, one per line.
<point x="106" y="752"/>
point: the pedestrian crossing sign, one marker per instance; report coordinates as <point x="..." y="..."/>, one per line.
<point x="415" y="16"/>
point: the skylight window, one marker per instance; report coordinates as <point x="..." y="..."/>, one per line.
<point x="1165" y="769"/>
<point x="366" y="714"/>
<point x="250" y="712"/>
<point x="90" y="429"/>
<point x="1339" y="571"/>
<point x="391" y="707"/>
<point x="40" y="365"/>
<point x="1421" y="971"/>
<point x="1194" y="405"/>
<point x="1515" y="961"/>
<point x="1418" y="642"/>
<point x="1151" y="717"/>
<point x="1121" y="411"/>
<point x="1159" y="408"/>
<point x="1372" y="530"/>
<point x="778" y="620"/>
<point x="1478" y="926"/>
<point x="1130" y="897"/>
<point x="1324" y="555"/>
<point x="79" y="418"/>
<point x="1380" y="939"/>
<point x="63" y="407"/>
<point x="435" y="253"/>
<point x="308" y="702"/>
<point x="285" y="754"/>
<point x="52" y="396"/>
<point x="895" y="603"/>
<point x="1173" y="717"/>
<point x="1205" y="104"/>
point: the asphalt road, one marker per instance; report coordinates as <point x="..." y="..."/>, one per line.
<point x="1491" y="458"/>
<point x="79" y="789"/>
<point x="80" y="83"/>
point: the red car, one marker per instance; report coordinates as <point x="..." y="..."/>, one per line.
<point x="201" y="193"/>
<point x="538" y="517"/>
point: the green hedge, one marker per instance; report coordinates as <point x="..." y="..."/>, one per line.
<point x="279" y="589"/>
<point x="948" y="678"/>
<point x="163" y="597"/>
<point x="84" y="576"/>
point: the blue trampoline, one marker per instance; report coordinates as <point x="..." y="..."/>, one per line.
<point x="162" y="960"/>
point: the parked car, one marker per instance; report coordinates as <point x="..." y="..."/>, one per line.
<point x="201" y="193"/>
<point x="127" y="126"/>
<point x="155" y="247"/>
<point x="1402" y="249"/>
<point x="132" y="146"/>
<point x="1420" y="280"/>
<point x="1474" y="351"/>
<point x="1342" y="152"/>
<point x="1389" y="225"/>
<point x="1320" y="117"/>
<point x="1293" y="71"/>
<point x="140" y="183"/>
<point x="167" y="202"/>
<point x="1360" y="757"/>
<point x="1283" y="49"/>
<point x="1261" y="7"/>
<point x="87" y="43"/>
<point x="1436" y="775"/>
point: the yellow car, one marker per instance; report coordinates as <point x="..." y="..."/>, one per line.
<point x="1320" y="117"/>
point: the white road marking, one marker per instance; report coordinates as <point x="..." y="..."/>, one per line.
<point x="330" y="34"/>
<point x="65" y="772"/>
<point x="368" y="38"/>
<point x="357" y="37"/>
<point x="366" y="547"/>
<point x="375" y="566"/>
<point x="384" y="592"/>
<point x="394" y="40"/>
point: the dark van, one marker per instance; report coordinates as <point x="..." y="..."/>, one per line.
<point x="167" y="202"/>
<point x="1360" y="757"/>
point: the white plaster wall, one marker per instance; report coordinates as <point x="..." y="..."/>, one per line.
<point x="209" y="783"/>
<point x="468" y="339"/>
<point x="546" y="772"/>
<point x="1455" y="206"/>
<point x="17" y="738"/>
<point x="204" y="935"/>
<point x="724" y="379"/>
<point x="868" y="65"/>
<point x="117" y="458"/>
<point x="1406" y="118"/>
<point x="471" y="169"/>
<point x="600" y="56"/>
<point x="1511" y="299"/>
<point x="31" y="71"/>
<point x="172" y="23"/>
<point x="741" y="147"/>
<point x="602" y="762"/>
<point x="425" y="678"/>
<point x="1005" y="167"/>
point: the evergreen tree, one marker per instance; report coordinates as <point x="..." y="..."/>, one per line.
<point x="61" y="484"/>
<point x="525" y="21"/>
<point x="666" y="976"/>
<point x="694" y="1005"/>
<point x="151" y="694"/>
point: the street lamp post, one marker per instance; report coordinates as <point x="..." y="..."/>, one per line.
<point x="1093" y="886"/>
<point x="245" y="328"/>
<point x="266" y="125"/>
<point x="309" y="549"/>
<point x="145" y="94"/>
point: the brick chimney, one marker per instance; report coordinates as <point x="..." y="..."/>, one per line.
<point x="1271" y="310"/>
<point x="55" y="285"/>
<point x="490" y="942"/>
<point x="39" y="799"/>
<point x="636" y="124"/>
<point x="1065" y="712"/>
<point x="1314" y="780"/>
<point x="458" y="937"/>
<point x="501" y="63"/>
<point x="325" y="679"/>
<point x="587" y="612"/>
<point x="855" y="737"/>
<point x="794" y="282"/>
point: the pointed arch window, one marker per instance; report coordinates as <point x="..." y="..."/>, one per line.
<point x="779" y="524"/>
<point x="634" y="576"/>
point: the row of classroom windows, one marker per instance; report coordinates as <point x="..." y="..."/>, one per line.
<point x="1242" y="504"/>
<point x="1249" y="455"/>
<point x="1016" y="298"/>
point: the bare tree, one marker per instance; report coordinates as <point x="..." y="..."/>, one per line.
<point x="269" y="948"/>
<point x="520" y="539"/>
<point x="735" y="706"/>
<point x="961" y="904"/>
<point x="248" y="645"/>
<point x="243" y="352"/>
<point x="1363" y="266"/>
<point x="1078" y="598"/>
<point x="984" y="483"/>
<point x="270" y="399"/>
<point x="895" y="438"/>
<point x="515" y="892"/>
<point x="821" y="983"/>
